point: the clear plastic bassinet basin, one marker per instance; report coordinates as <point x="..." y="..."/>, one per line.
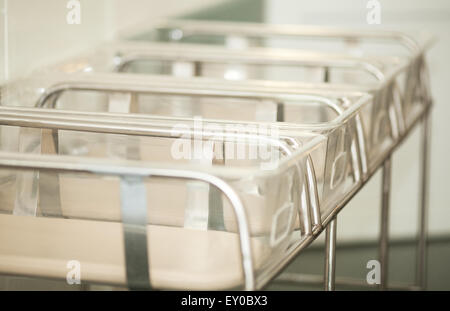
<point x="345" y="119"/>
<point x="241" y="35"/>
<point x="274" y="67"/>
<point x="411" y="46"/>
<point x="70" y="178"/>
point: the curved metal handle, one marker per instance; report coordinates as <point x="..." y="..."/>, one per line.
<point x="130" y="53"/>
<point x="155" y="85"/>
<point x="190" y="27"/>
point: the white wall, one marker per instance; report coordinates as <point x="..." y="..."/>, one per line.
<point x="39" y="34"/>
<point x="360" y="219"/>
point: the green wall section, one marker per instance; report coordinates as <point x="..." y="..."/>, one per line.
<point x="233" y="10"/>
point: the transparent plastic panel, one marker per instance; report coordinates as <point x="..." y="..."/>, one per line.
<point x="316" y="114"/>
<point x="179" y="257"/>
<point x="60" y="195"/>
<point x="187" y="245"/>
<point x="414" y="90"/>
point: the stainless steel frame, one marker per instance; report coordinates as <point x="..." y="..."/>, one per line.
<point x="136" y="84"/>
<point x="132" y="174"/>
<point x="416" y="82"/>
<point x="416" y="50"/>
<point x="187" y="28"/>
<point x="422" y="235"/>
<point x="20" y="117"/>
<point x="385" y="71"/>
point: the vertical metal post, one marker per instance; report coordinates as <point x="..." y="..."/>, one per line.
<point x="326" y="74"/>
<point x="384" y="232"/>
<point x="421" y="277"/>
<point x="6" y="41"/>
<point x="280" y="112"/>
<point x="330" y="255"/>
<point x="134" y="217"/>
<point x="198" y="66"/>
<point x="49" y="188"/>
<point x="215" y="213"/>
<point x="330" y="238"/>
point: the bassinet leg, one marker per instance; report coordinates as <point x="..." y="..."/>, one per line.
<point x="384" y="230"/>
<point x="421" y="272"/>
<point x="330" y="255"/>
